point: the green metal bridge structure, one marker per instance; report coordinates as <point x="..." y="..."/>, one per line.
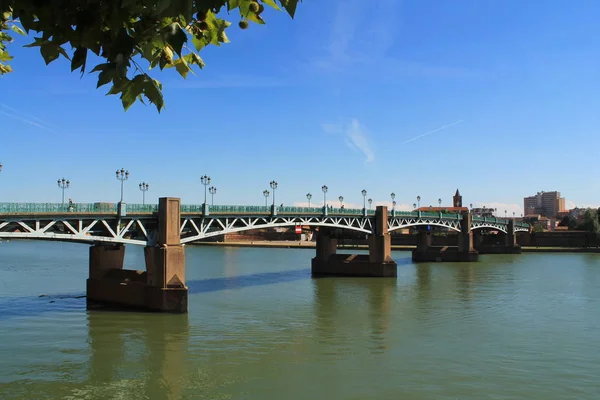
<point x="137" y="224"/>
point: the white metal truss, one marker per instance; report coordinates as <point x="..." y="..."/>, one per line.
<point x="499" y="225"/>
<point x="401" y="222"/>
<point x="142" y="229"/>
<point x="82" y="228"/>
<point x="198" y="227"/>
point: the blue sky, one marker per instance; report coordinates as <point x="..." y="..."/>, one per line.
<point x="333" y="97"/>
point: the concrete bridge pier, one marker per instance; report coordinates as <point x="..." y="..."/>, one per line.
<point x="465" y="252"/>
<point x="378" y="263"/>
<point x="161" y="287"/>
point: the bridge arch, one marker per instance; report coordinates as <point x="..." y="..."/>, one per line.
<point x="413" y="224"/>
<point x="501" y="228"/>
<point x="201" y="228"/>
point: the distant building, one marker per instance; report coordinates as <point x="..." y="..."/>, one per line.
<point x="548" y="204"/>
<point x="457" y="206"/>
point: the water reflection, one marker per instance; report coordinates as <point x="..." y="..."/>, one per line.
<point x="135" y="353"/>
<point x="339" y="306"/>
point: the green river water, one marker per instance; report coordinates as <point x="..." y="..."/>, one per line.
<point x="259" y="327"/>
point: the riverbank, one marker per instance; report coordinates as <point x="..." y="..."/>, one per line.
<point x="311" y="245"/>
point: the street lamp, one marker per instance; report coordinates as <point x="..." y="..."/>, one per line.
<point x="122" y="175"/>
<point x="439" y="202"/>
<point x="63" y="184"/>
<point x="324" y="188"/>
<point x="370" y="202"/>
<point x="266" y="193"/>
<point x="205" y="179"/>
<point x="341" y="199"/>
<point x="504" y="213"/>
<point x="0" y="167"/>
<point x="144" y="188"/>
<point x="394" y="204"/>
<point x="364" y="193"/>
<point x="419" y="201"/>
<point x="308" y="196"/>
<point x="274" y="187"/>
<point x="415" y="206"/>
<point x="212" y="190"/>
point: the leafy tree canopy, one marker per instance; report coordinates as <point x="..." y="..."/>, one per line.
<point x="129" y="36"/>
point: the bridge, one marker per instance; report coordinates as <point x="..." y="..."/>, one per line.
<point x="137" y="224"/>
<point x="164" y="229"/>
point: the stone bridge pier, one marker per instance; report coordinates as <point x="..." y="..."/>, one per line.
<point x="508" y="242"/>
<point x="378" y="263"/>
<point x="464" y="252"/>
<point x="161" y="287"/>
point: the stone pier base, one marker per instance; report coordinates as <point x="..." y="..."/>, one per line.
<point x="126" y="294"/>
<point x="353" y="265"/>
<point x="444" y="254"/>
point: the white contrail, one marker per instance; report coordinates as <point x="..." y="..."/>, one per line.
<point x="27" y="121"/>
<point x="27" y="118"/>
<point x="433" y="131"/>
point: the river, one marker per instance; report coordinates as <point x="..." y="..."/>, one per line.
<point x="259" y="327"/>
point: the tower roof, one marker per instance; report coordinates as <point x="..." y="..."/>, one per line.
<point x="457" y="193"/>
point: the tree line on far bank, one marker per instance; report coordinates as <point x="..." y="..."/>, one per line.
<point x="589" y="223"/>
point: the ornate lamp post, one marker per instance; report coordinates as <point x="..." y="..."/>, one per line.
<point x="0" y="167"/>
<point x="122" y="175"/>
<point x="273" y="185"/>
<point x="341" y="199"/>
<point x="370" y="202"/>
<point x="205" y="179"/>
<point x="64" y="184"/>
<point x="212" y="190"/>
<point x="418" y="201"/>
<point x="144" y="187"/>
<point x="414" y="205"/>
<point x="364" y="194"/>
<point x="266" y="193"/>
<point x="439" y="202"/>
<point x="308" y="196"/>
<point x="394" y="205"/>
<point x="324" y="188"/>
<point x="504" y="213"/>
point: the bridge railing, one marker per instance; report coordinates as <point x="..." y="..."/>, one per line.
<point x="48" y="208"/>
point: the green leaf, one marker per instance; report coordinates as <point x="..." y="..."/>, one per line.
<point x="132" y="90"/>
<point x="18" y="30"/>
<point x="49" y="52"/>
<point x="37" y="42"/>
<point x="153" y="92"/>
<point x="290" y="6"/>
<point x="182" y="67"/>
<point x="272" y="4"/>
<point x="175" y="36"/>
<point x="107" y="75"/>
<point x="4" y="56"/>
<point x="232" y="4"/>
<point x="100" y="67"/>
<point x="79" y="59"/>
